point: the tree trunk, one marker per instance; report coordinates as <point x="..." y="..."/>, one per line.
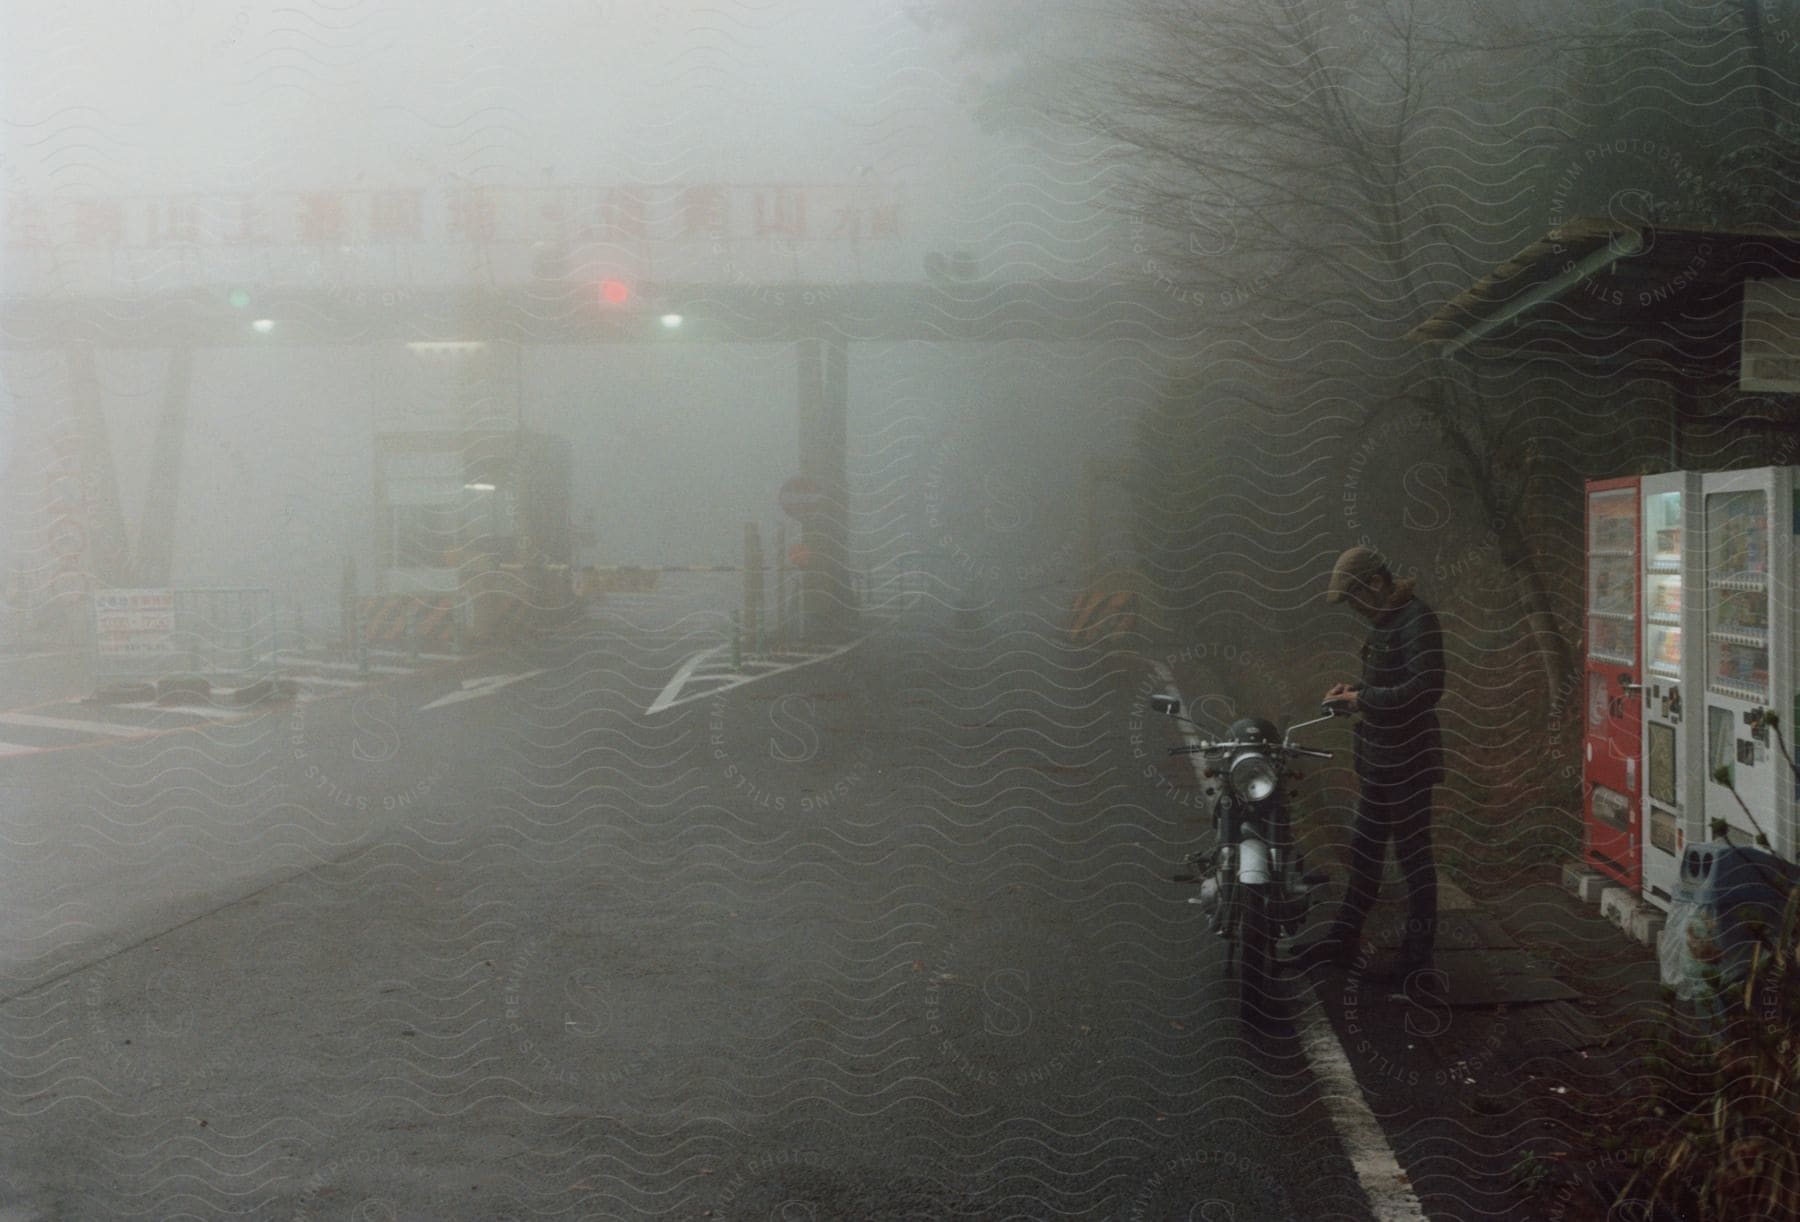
<point x="1534" y="593"/>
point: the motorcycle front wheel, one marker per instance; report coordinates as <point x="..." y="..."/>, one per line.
<point x="1256" y="956"/>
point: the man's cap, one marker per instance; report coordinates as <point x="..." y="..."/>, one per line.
<point x="1356" y="567"/>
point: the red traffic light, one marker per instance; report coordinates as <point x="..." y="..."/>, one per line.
<point x="614" y="292"/>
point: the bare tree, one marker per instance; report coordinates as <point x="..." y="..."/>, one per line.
<point x="1333" y="160"/>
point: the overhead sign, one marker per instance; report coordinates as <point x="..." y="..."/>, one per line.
<point x="1769" y="352"/>
<point x="331" y="217"/>
<point x="134" y="622"/>
<point x="801" y="496"/>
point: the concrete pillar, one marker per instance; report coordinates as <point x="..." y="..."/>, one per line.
<point x="109" y="552"/>
<point x="156" y="532"/>
<point x="753" y="587"/>
<point x="828" y="607"/>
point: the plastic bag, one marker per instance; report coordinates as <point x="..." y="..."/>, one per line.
<point x="1728" y="900"/>
<point x="1681" y="970"/>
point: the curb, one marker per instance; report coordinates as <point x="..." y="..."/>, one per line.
<point x="1642" y="922"/>
<point x="184" y="690"/>
<point x="121" y="693"/>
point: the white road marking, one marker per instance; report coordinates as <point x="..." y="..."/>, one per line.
<point x="1391" y="1197"/>
<point x="372" y="668"/>
<point x="83" y="727"/>
<point x="1390" y="1194"/>
<point x="189" y="710"/>
<point x="475" y="689"/>
<point x="671" y="696"/>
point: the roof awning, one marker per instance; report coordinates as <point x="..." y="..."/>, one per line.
<point x="1595" y="291"/>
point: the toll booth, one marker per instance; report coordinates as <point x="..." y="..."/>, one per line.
<point x="473" y="538"/>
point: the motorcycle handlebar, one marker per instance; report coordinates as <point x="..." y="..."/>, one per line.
<point x="1203" y="748"/>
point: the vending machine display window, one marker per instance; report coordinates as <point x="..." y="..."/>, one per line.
<point x="1662" y="528"/>
<point x="1737" y="614"/>
<point x="1662" y="583"/>
<point x="1612" y="577"/>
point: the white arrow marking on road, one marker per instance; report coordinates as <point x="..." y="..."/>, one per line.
<point x="671" y="695"/>
<point x="475" y="689"/>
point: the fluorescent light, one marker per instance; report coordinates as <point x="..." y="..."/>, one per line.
<point x="478" y="487"/>
<point x="263" y="326"/>
<point x="671" y="321"/>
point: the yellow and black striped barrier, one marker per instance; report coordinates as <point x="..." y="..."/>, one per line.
<point x="410" y="619"/>
<point x="1101" y="613"/>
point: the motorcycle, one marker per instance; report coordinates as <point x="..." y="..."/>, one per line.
<point x="1253" y="879"/>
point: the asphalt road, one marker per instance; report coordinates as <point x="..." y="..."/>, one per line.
<point x="876" y="935"/>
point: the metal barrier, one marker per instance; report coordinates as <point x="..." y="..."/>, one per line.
<point x="217" y="632"/>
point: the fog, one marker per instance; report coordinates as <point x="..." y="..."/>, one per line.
<point x="121" y="116"/>
<point x="589" y="591"/>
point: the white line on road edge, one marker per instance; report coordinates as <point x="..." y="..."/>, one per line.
<point x="1391" y="1198"/>
<point x="669" y="697"/>
<point x="84" y="727"/>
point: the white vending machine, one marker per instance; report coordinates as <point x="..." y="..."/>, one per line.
<point x="1752" y="527"/>
<point x="1673" y="581"/>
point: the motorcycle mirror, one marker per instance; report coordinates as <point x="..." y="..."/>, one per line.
<point x="1168" y="706"/>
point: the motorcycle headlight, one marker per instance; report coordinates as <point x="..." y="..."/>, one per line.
<point x="1253" y="776"/>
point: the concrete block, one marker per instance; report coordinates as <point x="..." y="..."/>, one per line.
<point x="120" y="693"/>
<point x="1647" y="924"/>
<point x="1575" y="876"/>
<point x="1619" y="905"/>
<point x="1592" y="886"/>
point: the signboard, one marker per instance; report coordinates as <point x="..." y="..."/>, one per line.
<point x="129" y="622"/>
<point x="1769" y="355"/>
<point x="801" y="496"/>
<point x="331" y="217"/>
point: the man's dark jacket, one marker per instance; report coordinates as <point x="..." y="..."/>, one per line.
<point x="1397" y="737"/>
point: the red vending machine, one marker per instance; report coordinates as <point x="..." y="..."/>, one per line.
<point x="1613" y="725"/>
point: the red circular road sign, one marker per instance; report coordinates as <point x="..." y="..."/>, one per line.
<point x="801" y="496"/>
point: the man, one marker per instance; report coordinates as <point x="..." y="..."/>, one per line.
<point x="1399" y="756"/>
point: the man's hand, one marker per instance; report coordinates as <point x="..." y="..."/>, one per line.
<point x="1341" y="693"/>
